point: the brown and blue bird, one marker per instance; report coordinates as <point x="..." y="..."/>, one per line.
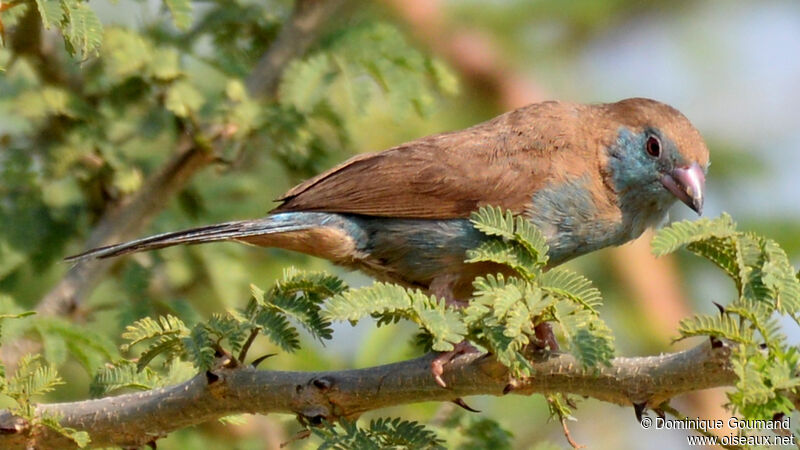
<point x="589" y="176"/>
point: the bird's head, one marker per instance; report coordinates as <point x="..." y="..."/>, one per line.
<point x="656" y="156"/>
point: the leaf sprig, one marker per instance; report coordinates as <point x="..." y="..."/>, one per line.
<point x="505" y="309"/>
<point x="767" y="286"/>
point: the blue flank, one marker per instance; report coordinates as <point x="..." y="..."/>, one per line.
<point x="420" y="249"/>
<point x="568" y="217"/>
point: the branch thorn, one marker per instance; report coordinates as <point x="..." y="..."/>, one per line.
<point x="211" y="377"/>
<point x="460" y="402"/>
<point x="261" y="359"/>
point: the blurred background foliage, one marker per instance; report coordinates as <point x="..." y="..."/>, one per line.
<point x="83" y="126"/>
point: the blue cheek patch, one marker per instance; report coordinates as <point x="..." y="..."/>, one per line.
<point x="628" y="162"/>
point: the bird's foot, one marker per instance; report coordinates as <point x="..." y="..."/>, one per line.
<point x="544" y="333"/>
<point x="442" y="359"/>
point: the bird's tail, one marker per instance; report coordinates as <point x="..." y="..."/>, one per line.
<point x="241" y="230"/>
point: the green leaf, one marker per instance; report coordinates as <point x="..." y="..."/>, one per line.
<point x="165" y="64"/>
<point x="446" y="79"/>
<point x="382" y="433"/>
<point x="32" y="379"/>
<point x="508" y="254"/>
<point x="588" y="337"/>
<point x="50" y="11"/>
<point x="199" y="348"/>
<point x="228" y="328"/>
<point x="470" y="431"/>
<point x="278" y="329"/>
<point x="83" y="31"/>
<point x="88" y="347"/>
<point x="723" y="326"/>
<point x="678" y="234"/>
<point x="521" y="245"/>
<point x="170" y="345"/>
<point x="14" y="316"/>
<point x="305" y="83"/>
<point x="720" y="251"/>
<point x="52" y="421"/>
<point x="148" y="328"/>
<point x="123" y="375"/>
<point x="181" y="11"/>
<point x="532" y="238"/>
<point x="391" y="302"/>
<point x="493" y="221"/>
<point x="779" y="277"/>
<point x="573" y="286"/>
<point x="127" y="54"/>
<point x="356" y="304"/>
<point x="183" y="99"/>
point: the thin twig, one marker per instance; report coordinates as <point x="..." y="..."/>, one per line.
<point x="246" y="347"/>
<point x="565" y="429"/>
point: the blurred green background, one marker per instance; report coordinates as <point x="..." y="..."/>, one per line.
<point x="79" y="135"/>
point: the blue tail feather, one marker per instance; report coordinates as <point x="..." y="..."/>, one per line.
<point x="278" y="223"/>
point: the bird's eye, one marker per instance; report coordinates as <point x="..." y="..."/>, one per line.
<point x="653" y="146"/>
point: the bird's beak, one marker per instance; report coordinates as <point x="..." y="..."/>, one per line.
<point x="687" y="183"/>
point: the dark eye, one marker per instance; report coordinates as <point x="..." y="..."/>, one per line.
<point x="653" y="146"/>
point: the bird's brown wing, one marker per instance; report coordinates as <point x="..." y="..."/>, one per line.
<point x="500" y="162"/>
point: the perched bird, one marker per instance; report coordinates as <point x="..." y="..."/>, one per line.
<point x="589" y="176"/>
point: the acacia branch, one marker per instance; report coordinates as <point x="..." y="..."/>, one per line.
<point x="140" y="418"/>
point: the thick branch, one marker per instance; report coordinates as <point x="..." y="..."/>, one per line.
<point x="135" y="419"/>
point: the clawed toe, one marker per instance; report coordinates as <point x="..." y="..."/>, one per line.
<point x="442" y="359"/>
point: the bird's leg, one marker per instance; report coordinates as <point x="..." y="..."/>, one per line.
<point x="442" y="359"/>
<point x="442" y="287"/>
<point x="544" y="333"/>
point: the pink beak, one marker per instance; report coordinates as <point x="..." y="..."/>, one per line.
<point x="687" y="183"/>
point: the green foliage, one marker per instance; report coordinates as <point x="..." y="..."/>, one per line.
<point x="368" y="62"/>
<point x="81" y="133"/>
<point x="758" y="266"/>
<point x="123" y="375"/>
<point x="80" y="438"/>
<point x="381" y="433"/>
<point x="181" y="12"/>
<point x="504" y="309"/>
<point x="61" y="339"/>
<point x="493" y="221"/>
<point x="83" y="32"/>
<point x="296" y="297"/>
<point x="390" y="303"/>
<point x="764" y="362"/>
<point x="372" y="51"/>
<point x="473" y="432"/>
<point x="81" y="28"/>
<point x="33" y="379"/>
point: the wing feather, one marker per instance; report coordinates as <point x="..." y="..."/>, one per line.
<point x="500" y="162"/>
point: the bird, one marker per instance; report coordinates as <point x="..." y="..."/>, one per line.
<point x="588" y="176"/>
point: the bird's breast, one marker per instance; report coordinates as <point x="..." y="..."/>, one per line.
<point x="576" y="218"/>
